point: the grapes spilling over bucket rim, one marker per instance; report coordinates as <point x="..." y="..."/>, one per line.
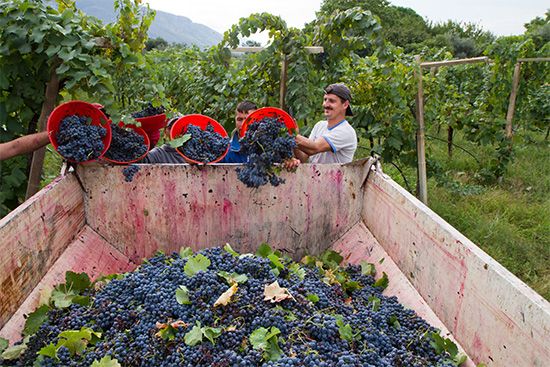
<point x="272" y="112"/>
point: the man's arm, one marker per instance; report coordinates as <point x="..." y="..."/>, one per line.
<point x="23" y="145"/>
<point x="303" y="157"/>
<point x="311" y="147"/>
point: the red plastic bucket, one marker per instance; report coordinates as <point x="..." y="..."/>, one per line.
<point x="141" y="132"/>
<point x="273" y="112"/>
<point x="180" y="127"/>
<point x="79" y="108"/>
<point x="152" y="123"/>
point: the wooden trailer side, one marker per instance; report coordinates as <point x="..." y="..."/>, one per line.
<point x="166" y="207"/>
<point x="33" y="236"/>
<point x="496" y="317"/>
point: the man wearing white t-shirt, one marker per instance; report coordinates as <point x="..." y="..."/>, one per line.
<point x="333" y="140"/>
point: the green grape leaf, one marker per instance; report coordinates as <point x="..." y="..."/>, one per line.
<point x="233" y="277"/>
<point x="106" y="361"/>
<point x="82" y="300"/>
<point x="77" y="340"/>
<point x="35" y="319"/>
<point x="176" y="143"/>
<point x="186" y="252"/>
<point x="15" y="351"/>
<point x="258" y="338"/>
<point x="267" y="341"/>
<point x="195" y="264"/>
<point x="264" y="250"/>
<point x="312" y="297"/>
<point x="4" y="344"/>
<point x="368" y="268"/>
<point x="437" y="342"/>
<point x="290" y="316"/>
<point x="375" y="303"/>
<point x="230" y="250"/>
<point x="451" y="347"/>
<point x="460" y="358"/>
<point x="345" y="330"/>
<point x="297" y="270"/>
<point x="350" y="286"/>
<point x="62" y="299"/>
<point x="211" y="333"/>
<point x="382" y="282"/>
<point x="49" y="350"/>
<point x="273" y="352"/>
<point x="194" y="336"/>
<point x="182" y="295"/>
<point x="308" y="260"/>
<point x="167" y="332"/>
<point x="393" y="321"/>
<point x="275" y="261"/>
<point x="331" y="258"/>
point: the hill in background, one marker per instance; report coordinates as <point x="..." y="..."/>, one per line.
<point x="170" y="27"/>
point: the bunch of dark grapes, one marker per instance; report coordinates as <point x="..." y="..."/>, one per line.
<point x="129" y="312"/>
<point x="126" y="145"/>
<point x="129" y="172"/>
<point x="78" y="140"/>
<point x="266" y="143"/>
<point x="149" y="111"/>
<point x="205" y="145"/>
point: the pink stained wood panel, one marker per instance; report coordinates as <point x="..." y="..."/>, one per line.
<point x="360" y="245"/>
<point x="33" y="236"/>
<point x="88" y="253"/>
<point x="170" y="206"/>
<point x="497" y="318"/>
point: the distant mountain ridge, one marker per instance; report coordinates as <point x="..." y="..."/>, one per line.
<point x="170" y="27"/>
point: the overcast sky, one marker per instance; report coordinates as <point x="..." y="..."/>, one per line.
<point x="503" y="17"/>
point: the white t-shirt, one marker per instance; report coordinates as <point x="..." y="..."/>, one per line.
<point x="341" y="138"/>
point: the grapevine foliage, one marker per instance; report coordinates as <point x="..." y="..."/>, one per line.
<point x="280" y="313"/>
<point x="41" y="45"/>
<point x="126" y="144"/>
<point x="78" y="140"/>
<point x="266" y="143"/>
<point x="205" y="145"/>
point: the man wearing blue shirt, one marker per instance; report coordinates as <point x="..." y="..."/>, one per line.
<point x="234" y="155"/>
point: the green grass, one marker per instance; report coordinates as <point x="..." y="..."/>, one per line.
<point x="52" y="166"/>
<point x="510" y="220"/>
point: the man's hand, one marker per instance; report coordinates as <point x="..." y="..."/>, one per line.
<point x="291" y="164"/>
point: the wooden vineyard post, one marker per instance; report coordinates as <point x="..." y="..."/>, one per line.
<point x="420" y="137"/>
<point x="512" y="103"/>
<point x="52" y="90"/>
<point x="514" y="92"/>
<point x="282" y="89"/>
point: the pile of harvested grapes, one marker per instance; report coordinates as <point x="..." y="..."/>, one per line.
<point x="218" y="308"/>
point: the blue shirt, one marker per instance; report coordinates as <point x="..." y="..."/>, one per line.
<point x="234" y="154"/>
